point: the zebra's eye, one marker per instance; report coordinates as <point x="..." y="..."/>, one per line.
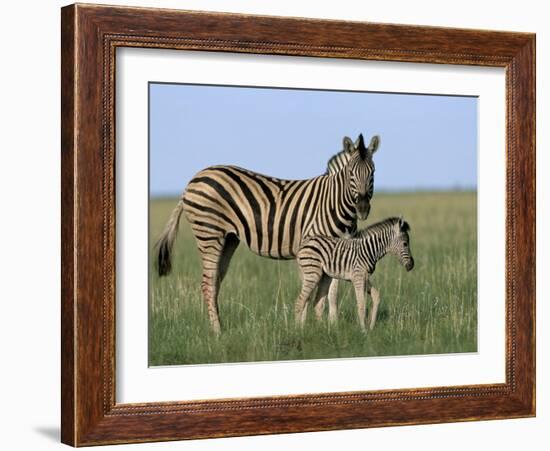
<point x="406" y="244"/>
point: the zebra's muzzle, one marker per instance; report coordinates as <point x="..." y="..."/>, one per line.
<point x="410" y="264"/>
<point x="362" y="207"/>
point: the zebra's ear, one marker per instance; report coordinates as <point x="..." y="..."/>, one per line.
<point x="374" y="144"/>
<point x="348" y="145"/>
<point x="403" y="225"/>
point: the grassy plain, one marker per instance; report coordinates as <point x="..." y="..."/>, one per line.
<point x="430" y="310"/>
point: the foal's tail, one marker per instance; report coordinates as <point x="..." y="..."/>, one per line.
<point x="166" y="240"/>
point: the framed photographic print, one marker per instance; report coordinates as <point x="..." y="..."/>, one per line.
<point x="280" y="224"/>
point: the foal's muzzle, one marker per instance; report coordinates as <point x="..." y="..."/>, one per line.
<point x="410" y="264"/>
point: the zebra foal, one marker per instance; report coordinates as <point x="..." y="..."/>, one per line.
<point x="321" y="258"/>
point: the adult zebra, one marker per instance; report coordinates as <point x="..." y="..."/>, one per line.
<point x="227" y="204"/>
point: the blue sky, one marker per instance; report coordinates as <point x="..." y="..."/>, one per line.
<point x="427" y="142"/>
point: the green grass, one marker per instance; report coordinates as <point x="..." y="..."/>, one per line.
<point x="432" y="309"/>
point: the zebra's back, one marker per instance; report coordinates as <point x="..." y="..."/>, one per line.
<point x="269" y="214"/>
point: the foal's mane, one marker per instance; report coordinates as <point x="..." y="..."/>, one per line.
<point x="378" y="226"/>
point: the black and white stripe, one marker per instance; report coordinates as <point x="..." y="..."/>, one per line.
<point x="226" y="205"/>
<point x="321" y="258"/>
<point x="336" y="163"/>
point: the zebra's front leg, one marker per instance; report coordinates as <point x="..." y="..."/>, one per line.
<point x="375" y="295"/>
<point x="359" y="285"/>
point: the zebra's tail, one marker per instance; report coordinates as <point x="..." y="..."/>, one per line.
<point x="166" y="240"/>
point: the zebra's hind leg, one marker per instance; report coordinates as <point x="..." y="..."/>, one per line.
<point x="229" y="248"/>
<point x="321" y="296"/>
<point x="212" y="254"/>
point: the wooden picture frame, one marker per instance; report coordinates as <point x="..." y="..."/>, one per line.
<point x="90" y="35"/>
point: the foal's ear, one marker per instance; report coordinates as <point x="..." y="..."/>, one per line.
<point x="404" y="225"/>
<point x="348" y="145"/>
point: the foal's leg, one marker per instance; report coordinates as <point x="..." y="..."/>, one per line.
<point x="320" y="306"/>
<point x="309" y="282"/>
<point x="332" y="301"/>
<point x="321" y="296"/>
<point x="375" y="295"/>
<point x="332" y="298"/>
<point x="359" y="285"/>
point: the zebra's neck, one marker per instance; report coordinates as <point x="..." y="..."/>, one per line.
<point x="341" y="207"/>
<point x="378" y="239"/>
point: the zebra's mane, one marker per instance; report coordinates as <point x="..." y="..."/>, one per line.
<point x="336" y="162"/>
